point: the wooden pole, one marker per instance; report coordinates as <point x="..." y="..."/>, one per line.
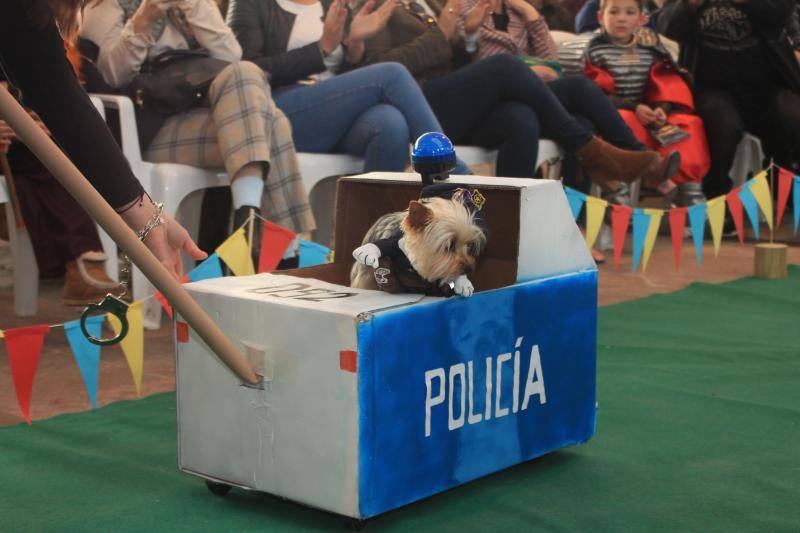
<point x="770" y="258"/>
<point x="71" y="178"/>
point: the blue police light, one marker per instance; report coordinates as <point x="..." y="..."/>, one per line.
<point x="433" y="157"/>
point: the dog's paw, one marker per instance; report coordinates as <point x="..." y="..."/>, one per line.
<point x="463" y="286"/>
<point x="367" y="254"/>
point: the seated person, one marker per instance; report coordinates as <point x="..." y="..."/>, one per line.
<point x="64" y="237"/>
<point x="309" y="52"/>
<point x="652" y="93"/>
<point x="496" y="102"/>
<point x="239" y="128"/>
<point x="746" y="77"/>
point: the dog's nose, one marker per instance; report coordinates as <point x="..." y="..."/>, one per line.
<point x="468" y="269"/>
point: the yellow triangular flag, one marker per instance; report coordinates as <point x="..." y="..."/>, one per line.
<point x="652" y="233"/>
<point x="595" y="210"/>
<point x="760" y="189"/>
<point x="133" y="343"/>
<point x="715" y="209"/>
<point x="236" y="255"/>
<point x="1" y="334"/>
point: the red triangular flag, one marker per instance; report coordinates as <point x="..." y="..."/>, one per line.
<point x="164" y="303"/>
<point x="677" y="222"/>
<point x="620" y="218"/>
<point x="24" y="346"/>
<point x="275" y="240"/>
<point x="785" y="179"/>
<point x="735" y="207"/>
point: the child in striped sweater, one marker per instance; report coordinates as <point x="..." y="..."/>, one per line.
<point x="652" y="93"/>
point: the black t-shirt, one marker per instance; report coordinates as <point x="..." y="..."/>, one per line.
<point x="731" y="52"/>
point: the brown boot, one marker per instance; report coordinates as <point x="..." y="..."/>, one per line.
<point x="606" y="163"/>
<point x="660" y="171"/>
<point x="86" y="280"/>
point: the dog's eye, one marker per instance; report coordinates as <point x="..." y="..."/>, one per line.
<point x="474" y="249"/>
<point x="449" y="246"/>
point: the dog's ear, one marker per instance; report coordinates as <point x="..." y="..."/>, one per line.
<point x="419" y="216"/>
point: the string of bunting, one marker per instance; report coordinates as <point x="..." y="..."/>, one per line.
<point x="24" y="344"/>
<point x="750" y="197"/>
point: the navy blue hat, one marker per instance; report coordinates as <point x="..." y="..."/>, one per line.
<point x="473" y="199"/>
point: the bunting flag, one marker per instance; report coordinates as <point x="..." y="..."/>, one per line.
<point x="595" y="210"/>
<point x="677" y="223"/>
<point x="759" y="186"/>
<point x="576" y="200"/>
<point x="697" y="221"/>
<point x="2" y="335"/>
<point x="785" y="179"/>
<point x="133" y="343"/>
<point x="24" y="347"/>
<point x="750" y="207"/>
<point x="715" y="209"/>
<point x="87" y="355"/>
<point x="275" y="240"/>
<point x="641" y="223"/>
<point x="164" y="303"/>
<point x="620" y="220"/>
<point x="208" y="269"/>
<point x="652" y="233"/>
<point x="236" y="254"/>
<point x="796" y="193"/>
<point x="312" y="254"/>
<point x="735" y="208"/>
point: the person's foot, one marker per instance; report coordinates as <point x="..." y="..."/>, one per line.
<point x="687" y="195"/>
<point x="621" y="195"/>
<point x="607" y="164"/>
<point x="658" y="173"/>
<point x="240" y="216"/>
<point x="86" y="281"/>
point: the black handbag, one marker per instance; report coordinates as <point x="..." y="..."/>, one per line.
<point x="175" y="81"/>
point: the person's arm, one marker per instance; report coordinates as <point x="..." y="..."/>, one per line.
<point x="210" y="29"/>
<point x="429" y="49"/>
<point x="677" y="19"/>
<point x="540" y="42"/>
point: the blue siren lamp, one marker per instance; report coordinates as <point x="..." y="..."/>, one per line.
<point x="433" y="157"/>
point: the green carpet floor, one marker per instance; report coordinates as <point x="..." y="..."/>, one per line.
<point x="698" y="430"/>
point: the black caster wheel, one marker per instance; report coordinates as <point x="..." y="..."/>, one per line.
<point x="220" y="489"/>
<point x="354" y="524"/>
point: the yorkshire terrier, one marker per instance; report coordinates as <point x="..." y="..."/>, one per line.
<point x="429" y="248"/>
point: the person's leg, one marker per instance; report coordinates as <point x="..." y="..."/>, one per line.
<point x="724" y="129"/>
<point x="513" y="129"/>
<point x="778" y="125"/>
<point x="380" y="135"/>
<point x="581" y="96"/>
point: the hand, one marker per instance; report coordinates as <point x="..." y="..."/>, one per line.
<point x="645" y="114"/>
<point x="524" y="10"/>
<point x="661" y="117"/>
<point x="449" y="17"/>
<point x="6" y="136"/>
<point x="369" y="21"/>
<point x="367" y="254"/>
<point x="149" y="12"/>
<point x="462" y="286"/>
<point x="477" y="16"/>
<point x="165" y="241"/>
<point x="333" y="28"/>
<point x="545" y="73"/>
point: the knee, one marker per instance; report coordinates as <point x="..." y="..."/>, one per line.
<point x="242" y="71"/>
<point x="504" y="64"/>
<point x="394" y="71"/>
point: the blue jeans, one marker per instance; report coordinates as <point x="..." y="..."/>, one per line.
<point x="373" y="112"/>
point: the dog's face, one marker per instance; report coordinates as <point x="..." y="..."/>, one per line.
<point x="441" y="238"/>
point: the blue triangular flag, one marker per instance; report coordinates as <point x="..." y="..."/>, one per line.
<point x="750" y="206"/>
<point x="796" y="202"/>
<point x="641" y="223"/>
<point x="86" y="354"/>
<point x="697" y="219"/>
<point x="208" y="269"/>
<point x="312" y="254"/>
<point x="576" y="200"/>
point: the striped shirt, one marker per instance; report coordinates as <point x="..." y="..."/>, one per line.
<point x="571" y="53"/>
<point x="628" y="65"/>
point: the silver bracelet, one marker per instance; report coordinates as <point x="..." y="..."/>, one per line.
<point x="152" y="223"/>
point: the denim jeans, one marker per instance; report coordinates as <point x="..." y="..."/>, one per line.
<point x="373" y="112"/>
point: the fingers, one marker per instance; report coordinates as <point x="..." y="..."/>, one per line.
<point x="192" y="250"/>
<point x="367" y="7"/>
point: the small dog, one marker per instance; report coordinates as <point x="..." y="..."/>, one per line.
<point x="429" y="248"/>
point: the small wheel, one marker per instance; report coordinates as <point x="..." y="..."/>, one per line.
<point x="355" y="524"/>
<point x="220" y="489"/>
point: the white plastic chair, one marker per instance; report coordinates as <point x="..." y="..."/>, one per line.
<point x="174" y="184"/>
<point x="548" y="160"/>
